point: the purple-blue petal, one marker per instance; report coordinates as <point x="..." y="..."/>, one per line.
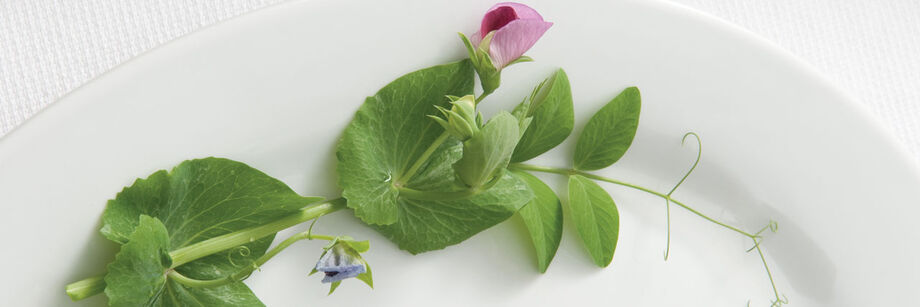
<point x="340" y="273"/>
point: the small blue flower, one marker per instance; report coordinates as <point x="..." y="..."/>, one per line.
<point x="339" y="262"/>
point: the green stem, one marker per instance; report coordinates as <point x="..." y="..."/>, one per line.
<point x="435" y="195"/>
<point x="481" y="97"/>
<point x="422" y="159"/>
<point x="216" y="244"/>
<point x="242" y="274"/>
<point x="570" y="172"/>
<point x="86" y="288"/>
<point x="452" y="195"/>
<point x="95" y="285"/>
<point x="402" y="180"/>
<point x="769" y="275"/>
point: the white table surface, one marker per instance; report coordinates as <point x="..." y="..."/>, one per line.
<point x="50" y="47"/>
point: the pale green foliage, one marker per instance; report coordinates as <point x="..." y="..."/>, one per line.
<point x="552" y="117"/>
<point x="543" y="218"/>
<point x="609" y="132"/>
<point x="596" y="218"/>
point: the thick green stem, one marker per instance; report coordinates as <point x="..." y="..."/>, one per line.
<point x="86" y="288"/>
<point x="452" y="195"/>
<point x="242" y="274"/>
<point x="216" y="244"/>
<point x="95" y="285"/>
<point x="423" y="158"/>
<point x="434" y="195"/>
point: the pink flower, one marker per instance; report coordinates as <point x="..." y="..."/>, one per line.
<point x="516" y="27"/>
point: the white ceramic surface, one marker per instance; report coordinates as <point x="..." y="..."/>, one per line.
<point x="275" y="88"/>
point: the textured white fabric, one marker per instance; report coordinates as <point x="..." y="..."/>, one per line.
<point x="48" y="47"/>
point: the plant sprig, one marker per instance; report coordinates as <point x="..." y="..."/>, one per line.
<point x="418" y="163"/>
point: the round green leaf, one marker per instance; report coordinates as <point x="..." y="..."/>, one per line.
<point x="390" y="132"/>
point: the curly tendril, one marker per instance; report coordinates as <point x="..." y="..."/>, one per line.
<point x="773" y="226"/>
<point x="242" y="250"/>
<point x="667" y="200"/>
<point x="756" y="237"/>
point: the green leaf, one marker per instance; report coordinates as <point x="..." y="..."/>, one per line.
<point x="201" y="199"/>
<point x="335" y="284"/>
<point x="137" y="274"/>
<point x="488" y="153"/>
<point x="609" y="133"/>
<point x="551" y="110"/>
<point x="231" y="295"/>
<point x="522" y="59"/>
<point x="137" y="277"/>
<point x="367" y="277"/>
<point x="359" y="246"/>
<point x="470" y="50"/>
<point x="431" y="225"/>
<point x="390" y="132"/>
<point x="596" y="218"/>
<point x="543" y="218"/>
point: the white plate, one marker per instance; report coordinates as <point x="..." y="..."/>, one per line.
<point x="275" y="88"/>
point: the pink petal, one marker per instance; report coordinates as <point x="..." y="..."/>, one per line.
<point x="496" y="18"/>
<point x="475" y="39"/>
<point x="511" y="41"/>
<point x="521" y="10"/>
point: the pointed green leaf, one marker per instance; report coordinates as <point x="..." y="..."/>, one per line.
<point x="470" y="50"/>
<point x="609" y="132"/>
<point x="367" y="277"/>
<point x="596" y="218"/>
<point x="552" y="115"/>
<point x="543" y="218"/>
<point x="488" y="153"/>
<point x="335" y="284"/>
<point x="389" y="132"/>
<point x="359" y="246"/>
<point x="522" y="59"/>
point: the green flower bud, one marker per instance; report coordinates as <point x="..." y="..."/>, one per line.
<point x="461" y="120"/>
